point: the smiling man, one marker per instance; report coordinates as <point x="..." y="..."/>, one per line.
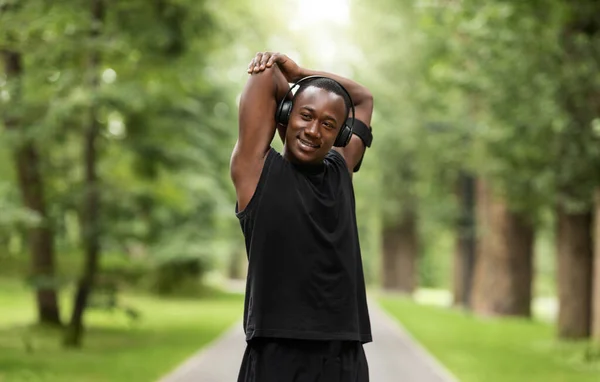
<point x="305" y="314"/>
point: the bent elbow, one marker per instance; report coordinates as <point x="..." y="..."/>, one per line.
<point x="366" y="101"/>
<point x="369" y="98"/>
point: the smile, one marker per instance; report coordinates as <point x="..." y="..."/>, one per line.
<point x="308" y="144"/>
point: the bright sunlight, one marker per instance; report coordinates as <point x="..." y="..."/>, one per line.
<point x="311" y="12"/>
<point x="320" y="20"/>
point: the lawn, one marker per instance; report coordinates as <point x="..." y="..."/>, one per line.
<point x="115" y="349"/>
<point x="495" y="350"/>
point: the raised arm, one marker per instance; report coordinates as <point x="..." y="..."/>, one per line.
<point x="361" y="97"/>
<point x="256" y="129"/>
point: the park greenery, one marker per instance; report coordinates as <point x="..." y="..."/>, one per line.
<point x="117" y="225"/>
<point x="166" y="332"/>
<point x="494" y="350"/>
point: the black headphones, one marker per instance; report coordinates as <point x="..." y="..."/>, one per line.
<point x="284" y="110"/>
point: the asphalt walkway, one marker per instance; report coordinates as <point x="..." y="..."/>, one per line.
<point x="393" y="356"/>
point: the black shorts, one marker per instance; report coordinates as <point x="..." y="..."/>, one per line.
<point x="290" y="360"/>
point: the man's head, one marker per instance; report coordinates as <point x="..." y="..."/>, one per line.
<point x="321" y="107"/>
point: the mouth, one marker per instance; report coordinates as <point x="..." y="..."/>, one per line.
<point x="308" y="145"/>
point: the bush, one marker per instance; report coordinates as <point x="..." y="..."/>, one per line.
<point x="178" y="276"/>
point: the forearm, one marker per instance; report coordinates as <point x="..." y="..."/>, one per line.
<point x="269" y="85"/>
<point x="281" y="89"/>
<point x="361" y="96"/>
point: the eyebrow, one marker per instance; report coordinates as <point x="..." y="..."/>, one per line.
<point x="327" y="116"/>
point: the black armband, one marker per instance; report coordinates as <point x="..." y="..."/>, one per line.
<point x="361" y="130"/>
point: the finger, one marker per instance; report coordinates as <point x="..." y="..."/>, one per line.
<point x="251" y="66"/>
<point x="272" y="60"/>
<point x="265" y="58"/>
<point x="257" y="62"/>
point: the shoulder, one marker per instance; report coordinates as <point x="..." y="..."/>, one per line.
<point x="275" y="158"/>
<point x="249" y="180"/>
<point x="275" y="165"/>
<point x="335" y="156"/>
<point x="336" y="160"/>
<point x="336" y="164"/>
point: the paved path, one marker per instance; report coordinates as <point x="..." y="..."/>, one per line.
<point x="393" y="357"/>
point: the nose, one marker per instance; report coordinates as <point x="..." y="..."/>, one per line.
<point x="313" y="130"/>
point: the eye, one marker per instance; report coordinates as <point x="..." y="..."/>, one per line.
<point x="328" y="125"/>
<point x="305" y="116"/>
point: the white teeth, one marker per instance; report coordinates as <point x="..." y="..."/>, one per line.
<point x="308" y="144"/>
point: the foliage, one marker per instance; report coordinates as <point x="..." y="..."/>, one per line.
<point x="165" y="136"/>
<point x="504" y="90"/>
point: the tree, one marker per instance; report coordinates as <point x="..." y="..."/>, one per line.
<point x="400" y="249"/>
<point x="531" y="146"/>
<point x="156" y="116"/>
<point x="464" y="256"/>
<point x="540" y="152"/>
<point x="574" y="273"/>
<point x="31" y="184"/>
<point x="90" y="209"/>
<point x="392" y="161"/>
<point x="596" y="271"/>
<point x="578" y="162"/>
<point x="504" y="265"/>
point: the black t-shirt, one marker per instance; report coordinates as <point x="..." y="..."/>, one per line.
<point x="305" y="276"/>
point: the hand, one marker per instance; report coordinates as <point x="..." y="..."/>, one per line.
<point x="264" y="60"/>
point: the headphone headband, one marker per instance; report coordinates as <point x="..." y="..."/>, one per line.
<point x="329" y="78"/>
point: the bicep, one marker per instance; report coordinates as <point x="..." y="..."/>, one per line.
<point x="258" y="103"/>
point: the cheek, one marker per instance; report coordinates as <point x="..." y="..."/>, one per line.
<point x="330" y="135"/>
<point x="291" y="132"/>
<point x="292" y="129"/>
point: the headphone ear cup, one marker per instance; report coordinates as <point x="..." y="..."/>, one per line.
<point x="343" y="136"/>
<point x="283" y="112"/>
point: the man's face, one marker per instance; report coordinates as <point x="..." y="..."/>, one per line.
<point x="315" y="121"/>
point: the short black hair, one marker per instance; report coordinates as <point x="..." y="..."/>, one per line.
<point x="326" y="84"/>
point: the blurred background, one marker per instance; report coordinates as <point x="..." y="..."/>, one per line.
<point x="119" y="246"/>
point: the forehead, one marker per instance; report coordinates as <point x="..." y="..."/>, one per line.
<point x="322" y="99"/>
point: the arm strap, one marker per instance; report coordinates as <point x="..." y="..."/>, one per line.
<point x="364" y="133"/>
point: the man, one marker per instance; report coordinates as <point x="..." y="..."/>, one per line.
<point x="305" y="315"/>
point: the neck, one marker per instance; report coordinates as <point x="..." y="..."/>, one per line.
<point x="307" y="168"/>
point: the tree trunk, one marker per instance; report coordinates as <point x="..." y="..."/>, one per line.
<point x="574" y="230"/>
<point x="574" y="244"/>
<point x="596" y="272"/>
<point x="504" y="265"/>
<point x="90" y="223"/>
<point x="41" y="237"/>
<point x="464" y="255"/>
<point x="400" y="252"/>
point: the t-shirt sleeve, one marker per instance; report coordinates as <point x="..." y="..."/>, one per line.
<point x="336" y="159"/>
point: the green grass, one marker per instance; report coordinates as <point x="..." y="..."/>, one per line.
<point x="115" y="348"/>
<point x="495" y="350"/>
